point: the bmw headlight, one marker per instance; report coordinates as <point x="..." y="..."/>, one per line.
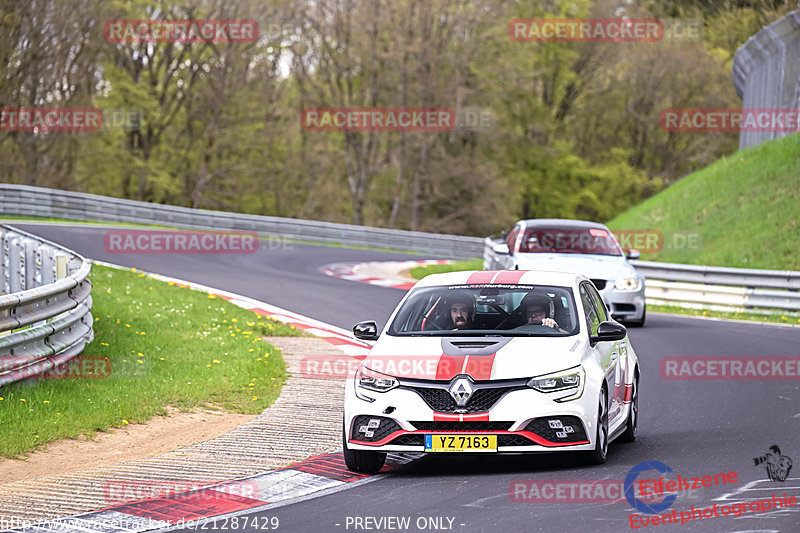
<point x="571" y="381"/>
<point x="627" y="284"/>
<point x="374" y="381"/>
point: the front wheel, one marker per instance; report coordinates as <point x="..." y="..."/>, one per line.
<point x="363" y="461"/>
<point x="600" y="453"/>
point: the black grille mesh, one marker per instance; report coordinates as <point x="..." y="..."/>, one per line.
<point x="541" y="426"/>
<point x="386" y="427"/>
<point x="409" y="440"/>
<point x="481" y="401"/>
<point x="462" y="426"/>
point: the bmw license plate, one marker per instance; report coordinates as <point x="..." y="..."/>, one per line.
<point x="460" y="443"/>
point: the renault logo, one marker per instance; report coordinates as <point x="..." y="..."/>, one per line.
<point x="461" y="391"/>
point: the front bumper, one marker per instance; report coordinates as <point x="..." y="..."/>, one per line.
<point x="522" y="419"/>
<point x="624" y="305"/>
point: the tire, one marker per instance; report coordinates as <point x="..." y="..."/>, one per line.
<point x="633" y="416"/>
<point x="362" y="461"/>
<point x="639" y="323"/>
<point x="599" y="455"/>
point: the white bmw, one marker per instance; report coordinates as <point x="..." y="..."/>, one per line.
<point x="493" y="362"/>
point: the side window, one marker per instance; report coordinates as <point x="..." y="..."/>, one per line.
<point x="512" y="238"/>
<point x="600" y="305"/>
<point x="592" y="320"/>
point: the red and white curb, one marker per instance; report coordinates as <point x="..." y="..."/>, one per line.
<point x="373" y="272"/>
<point x="326" y="472"/>
<point x="199" y="508"/>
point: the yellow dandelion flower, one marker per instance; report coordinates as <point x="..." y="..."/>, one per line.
<point x="250" y="350"/>
<point x="140" y="361"/>
<point x="1" y="398"/>
<point x="103" y="344"/>
<point x="255" y="398"/>
<point x="22" y="399"/>
<point x="216" y="361"/>
<point x="234" y="320"/>
<point x="161" y="358"/>
<point x="127" y="325"/>
<point x="45" y="401"/>
<point x="211" y="296"/>
<point x="124" y="421"/>
<point x="259" y="359"/>
<point x="208" y="366"/>
<point x="140" y="354"/>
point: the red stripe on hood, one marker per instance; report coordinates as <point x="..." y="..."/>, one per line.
<point x="480" y="366"/>
<point x="510" y="276"/>
<point x="449" y="366"/>
<point x="482" y="276"/>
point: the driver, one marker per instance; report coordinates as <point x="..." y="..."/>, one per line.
<point x="536" y="311"/>
<point x="460" y="310"/>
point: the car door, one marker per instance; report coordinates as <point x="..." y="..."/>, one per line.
<point x="606" y="352"/>
<point x="617" y="355"/>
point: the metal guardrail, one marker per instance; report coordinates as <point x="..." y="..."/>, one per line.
<point x="686" y="285"/>
<point x="41" y="202"/>
<point x="45" y="305"/>
<point x="721" y="288"/>
<point x="766" y="73"/>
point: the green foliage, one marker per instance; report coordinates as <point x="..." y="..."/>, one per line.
<point x="166" y="346"/>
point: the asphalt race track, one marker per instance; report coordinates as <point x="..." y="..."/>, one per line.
<point x="696" y="427"/>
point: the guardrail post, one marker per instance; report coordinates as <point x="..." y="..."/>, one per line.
<point x="16" y="265"/>
<point x="46" y="260"/>
<point x="31" y="265"/>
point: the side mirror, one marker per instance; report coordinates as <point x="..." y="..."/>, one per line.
<point x="366" y="331"/>
<point x="501" y="249"/>
<point x="504" y="234"/>
<point x="609" y="331"/>
<point x="633" y="254"/>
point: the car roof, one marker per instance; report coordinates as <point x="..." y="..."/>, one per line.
<point x="503" y="277"/>
<point x="561" y="223"/>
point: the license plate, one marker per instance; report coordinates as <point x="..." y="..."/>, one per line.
<point x="460" y="443"/>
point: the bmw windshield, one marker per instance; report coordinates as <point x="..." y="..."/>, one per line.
<point x="570" y="241"/>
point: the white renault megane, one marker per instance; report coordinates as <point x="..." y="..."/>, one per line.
<point x="493" y="362"/>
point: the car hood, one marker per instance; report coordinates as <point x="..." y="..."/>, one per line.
<point x="482" y="358"/>
<point x="591" y="266"/>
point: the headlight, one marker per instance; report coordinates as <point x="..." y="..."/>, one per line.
<point x="627" y="284"/>
<point x="571" y="380"/>
<point x="374" y="381"/>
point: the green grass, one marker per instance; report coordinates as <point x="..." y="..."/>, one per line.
<point x="745" y="208"/>
<point x="422" y="271"/>
<point x="168" y="346"/>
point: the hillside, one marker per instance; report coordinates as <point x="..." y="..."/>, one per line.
<point x="745" y="208"/>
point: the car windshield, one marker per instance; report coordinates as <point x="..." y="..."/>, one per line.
<point x="506" y="310"/>
<point x="570" y="241"/>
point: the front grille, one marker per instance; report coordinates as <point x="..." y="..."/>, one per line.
<point x="409" y="440"/>
<point x="461" y="426"/>
<point x="481" y="401"/>
<point x="628" y="308"/>
<point x="599" y="283"/>
<point x="543" y="428"/>
<point x="363" y="432"/>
